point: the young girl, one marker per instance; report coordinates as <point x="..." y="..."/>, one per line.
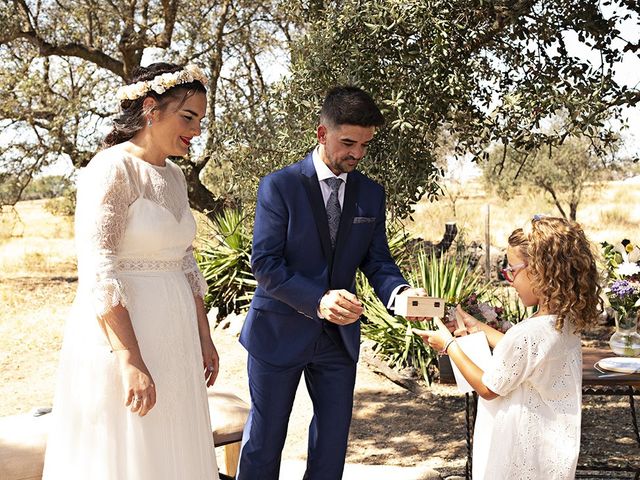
<point x="528" y="420"/>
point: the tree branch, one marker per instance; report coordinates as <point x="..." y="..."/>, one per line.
<point x="93" y="55"/>
<point x="169" y="10"/>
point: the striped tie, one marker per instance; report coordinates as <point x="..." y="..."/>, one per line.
<point x="333" y="208"/>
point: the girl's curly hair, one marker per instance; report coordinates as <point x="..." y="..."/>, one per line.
<point x="562" y="267"/>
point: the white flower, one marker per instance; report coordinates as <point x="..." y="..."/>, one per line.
<point x="626" y="269"/>
<point x="162" y="83"/>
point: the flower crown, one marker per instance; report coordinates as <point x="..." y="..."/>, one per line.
<point x="162" y="83"/>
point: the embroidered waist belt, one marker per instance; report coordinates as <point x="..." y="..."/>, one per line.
<point x="147" y="265"/>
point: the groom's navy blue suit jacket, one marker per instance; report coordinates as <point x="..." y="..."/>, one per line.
<point x="295" y="265"/>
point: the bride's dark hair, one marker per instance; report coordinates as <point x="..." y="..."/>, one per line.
<point x="132" y="117"/>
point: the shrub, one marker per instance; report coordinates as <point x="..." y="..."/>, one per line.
<point x="225" y="261"/>
<point x="63" y="206"/>
<point x="513" y="311"/>
<point x="48" y="186"/>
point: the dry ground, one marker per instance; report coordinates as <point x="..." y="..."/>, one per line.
<point x="391" y="425"/>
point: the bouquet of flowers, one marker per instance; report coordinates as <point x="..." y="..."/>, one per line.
<point x="622" y="260"/>
<point x="623" y="277"/>
<point x="486" y="313"/>
<point x="623" y="294"/>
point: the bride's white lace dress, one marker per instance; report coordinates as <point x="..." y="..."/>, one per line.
<point x="134" y="232"/>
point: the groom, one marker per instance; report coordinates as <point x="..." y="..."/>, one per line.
<point x="317" y="222"/>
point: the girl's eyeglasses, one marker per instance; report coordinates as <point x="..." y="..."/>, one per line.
<point x="509" y="273"/>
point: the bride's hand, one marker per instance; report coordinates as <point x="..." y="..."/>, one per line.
<point x="139" y="389"/>
<point x="210" y="359"/>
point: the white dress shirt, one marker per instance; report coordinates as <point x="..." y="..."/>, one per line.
<point x="323" y="173"/>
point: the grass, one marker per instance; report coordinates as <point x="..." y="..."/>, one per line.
<point x="617" y="217"/>
<point x="35" y="242"/>
<point x="607" y="212"/>
<point x="37" y="285"/>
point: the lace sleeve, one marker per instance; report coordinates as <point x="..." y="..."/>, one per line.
<point x="104" y="196"/>
<point x="514" y="360"/>
<point x="194" y="276"/>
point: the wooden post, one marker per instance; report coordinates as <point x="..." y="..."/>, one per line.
<point x="231" y="458"/>
<point x="487" y="242"/>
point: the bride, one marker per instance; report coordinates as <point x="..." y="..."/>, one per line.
<point x="137" y="356"/>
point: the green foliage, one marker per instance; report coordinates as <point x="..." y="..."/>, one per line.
<point x="56" y="101"/>
<point x="63" y="206"/>
<point x="473" y="72"/>
<point x="445" y="277"/>
<point x="392" y="336"/>
<point x="225" y="262"/>
<point x="612" y="259"/>
<point x="506" y="298"/>
<point x="402" y="245"/>
<point x="466" y="73"/>
<point x="49" y="186"/>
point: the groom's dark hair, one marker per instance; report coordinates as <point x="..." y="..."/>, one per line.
<point x="350" y="105"/>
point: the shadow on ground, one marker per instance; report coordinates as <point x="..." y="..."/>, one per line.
<point x="413" y="430"/>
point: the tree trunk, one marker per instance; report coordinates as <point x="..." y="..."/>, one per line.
<point x="556" y="201"/>
<point x="200" y="197"/>
<point x="573" y="211"/>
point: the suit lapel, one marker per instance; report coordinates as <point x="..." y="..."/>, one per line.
<point x="310" y="181"/>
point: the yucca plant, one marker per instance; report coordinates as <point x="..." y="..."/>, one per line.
<point x="400" y="243"/>
<point x="225" y="261"/>
<point x="448" y="277"/>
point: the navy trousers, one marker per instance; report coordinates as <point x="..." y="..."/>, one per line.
<point x="330" y="378"/>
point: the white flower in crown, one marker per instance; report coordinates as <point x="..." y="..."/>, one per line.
<point x="162" y="83"/>
<point x="196" y="74"/>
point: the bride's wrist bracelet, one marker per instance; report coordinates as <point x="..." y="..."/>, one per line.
<point x="123" y="347"/>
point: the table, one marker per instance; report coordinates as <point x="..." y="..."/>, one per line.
<point x="594" y="382"/>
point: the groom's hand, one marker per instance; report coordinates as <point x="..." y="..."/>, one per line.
<point x="340" y="307"/>
<point x="412" y="292"/>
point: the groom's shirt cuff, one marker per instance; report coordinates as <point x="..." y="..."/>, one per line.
<point x="396" y="291"/>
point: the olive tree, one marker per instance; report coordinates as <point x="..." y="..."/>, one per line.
<point x="480" y="73"/>
<point x="61" y="62"/>
<point x="561" y="173"/>
<point x="473" y="73"/>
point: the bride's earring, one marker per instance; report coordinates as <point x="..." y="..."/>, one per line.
<point x="149" y="123"/>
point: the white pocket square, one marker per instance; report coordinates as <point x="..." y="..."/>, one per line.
<point x="364" y="219"/>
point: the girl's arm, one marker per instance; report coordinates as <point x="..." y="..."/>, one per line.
<point x="471" y="372"/>
<point x="444" y="342"/>
<point x="473" y="325"/>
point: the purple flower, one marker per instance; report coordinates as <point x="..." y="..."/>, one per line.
<point x="622" y="288"/>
